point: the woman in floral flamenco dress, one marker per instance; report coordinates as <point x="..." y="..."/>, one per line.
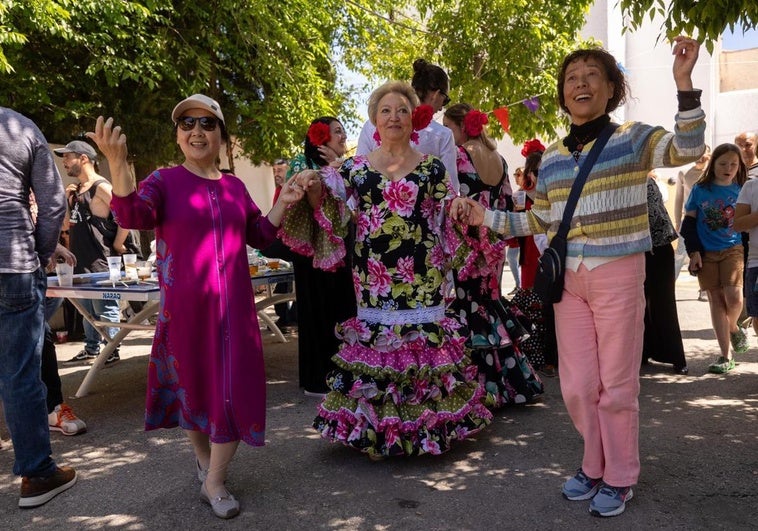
<point x="404" y="385"/>
<point x="495" y="331"/>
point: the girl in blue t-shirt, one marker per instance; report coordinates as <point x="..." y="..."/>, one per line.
<point x="715" y="248"/>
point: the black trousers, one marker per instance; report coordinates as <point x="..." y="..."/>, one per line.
<point x="663" y="337"/>
<point x="49" y="374"/>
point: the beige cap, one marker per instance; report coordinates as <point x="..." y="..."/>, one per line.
<point x="197" y="101"/>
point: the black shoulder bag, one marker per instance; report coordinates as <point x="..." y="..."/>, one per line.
<point x="548" y="282"/>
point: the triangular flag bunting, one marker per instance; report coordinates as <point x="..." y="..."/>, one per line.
<point x="502" y="116"/>
<point x="532" y="103"/>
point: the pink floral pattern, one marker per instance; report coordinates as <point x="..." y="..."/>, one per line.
<point x="408" y="388"/>
<point x="401" y="197"/>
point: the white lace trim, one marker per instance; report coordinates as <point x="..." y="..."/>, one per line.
<point x="430" y="314"/>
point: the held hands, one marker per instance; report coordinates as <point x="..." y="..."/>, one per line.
<point x="290" y="193"/>
<point x="685" y="53"/>
<point x="309" y="181"/>
<point x="466" y="210"/>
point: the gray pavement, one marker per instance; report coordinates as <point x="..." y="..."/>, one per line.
<point x="698" y="438"/>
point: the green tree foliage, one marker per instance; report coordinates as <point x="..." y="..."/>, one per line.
<point x="705" y="21"/>
<point x="269" y="65"/>
<point x="497" y="53"/>
<point x="273" y="66"/>
<point x="502" y="51"/>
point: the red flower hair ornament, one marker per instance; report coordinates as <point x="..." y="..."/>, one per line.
<point x="474" y="122"/>
<point x="531" y="146"/>
<point x="422" y="116"/>
<point x="319" y="133"/>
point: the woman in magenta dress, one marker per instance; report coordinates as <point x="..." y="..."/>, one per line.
<point x="206" y="370"/>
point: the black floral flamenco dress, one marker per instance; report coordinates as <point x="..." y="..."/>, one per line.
<point x="404" y="384"/>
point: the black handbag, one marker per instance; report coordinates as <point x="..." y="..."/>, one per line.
<point x="548" y="281"/>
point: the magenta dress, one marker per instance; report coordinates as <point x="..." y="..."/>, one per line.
<point x="206" y="366"/>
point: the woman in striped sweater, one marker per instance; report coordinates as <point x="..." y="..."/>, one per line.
<point x="599" y="321"/>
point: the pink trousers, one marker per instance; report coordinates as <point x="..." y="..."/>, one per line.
<point x="599" y="326"/>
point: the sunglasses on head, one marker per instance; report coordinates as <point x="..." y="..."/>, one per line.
<point x="207" y="123"/>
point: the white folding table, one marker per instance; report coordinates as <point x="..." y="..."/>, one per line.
<point x="95" y="286"/>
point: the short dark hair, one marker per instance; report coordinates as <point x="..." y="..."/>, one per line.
<point x="612" y="71"/>
<point x="279" y="162"/>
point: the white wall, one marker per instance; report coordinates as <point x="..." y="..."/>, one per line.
<point x="736" y="111"/>
<point x="259" y="180"/>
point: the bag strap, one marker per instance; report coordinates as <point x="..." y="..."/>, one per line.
<point x="581" y="177"/>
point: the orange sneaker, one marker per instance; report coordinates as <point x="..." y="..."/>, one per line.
<point x="62" y="419"/>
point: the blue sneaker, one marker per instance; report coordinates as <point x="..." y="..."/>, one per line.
<point x="580" y="487"/>
<point x="610" y="501"/>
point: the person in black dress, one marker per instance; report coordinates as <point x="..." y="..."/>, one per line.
<point x="324" y="298"/>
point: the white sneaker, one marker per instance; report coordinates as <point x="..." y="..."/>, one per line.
<point x="62" y="419"/>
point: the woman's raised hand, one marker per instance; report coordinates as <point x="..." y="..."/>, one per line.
<point x="112" y="143"/>
<point x="110" y="139"/>
<point x="685" y="53"/>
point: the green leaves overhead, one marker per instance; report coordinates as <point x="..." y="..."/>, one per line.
<point x="705" y="21"/>
<point x="274" y="66"/>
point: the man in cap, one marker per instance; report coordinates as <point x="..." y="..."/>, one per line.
<point x="93" y="236"/>
<point x="25" y="250"/>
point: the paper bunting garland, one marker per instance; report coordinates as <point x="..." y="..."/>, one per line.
<point x="532" y="103"/>
<point x="502" y="116"/>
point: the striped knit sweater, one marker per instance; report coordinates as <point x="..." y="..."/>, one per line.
<point x="610" y="219"/>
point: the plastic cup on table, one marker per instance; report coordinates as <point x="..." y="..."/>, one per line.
<point x="130" y="266"/>
<point x="144" y="270"/>
<point x="65" y="274"/>
<point x="114" y="268"/>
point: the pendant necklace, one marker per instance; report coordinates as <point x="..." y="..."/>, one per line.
<point x="580" y="142"/>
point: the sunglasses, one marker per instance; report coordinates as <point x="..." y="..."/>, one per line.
<point x="207" y="123"/>
<point x="447" y="98"/>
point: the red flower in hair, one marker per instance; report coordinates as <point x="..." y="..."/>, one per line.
<point x="474" y="122"/>
<point x="530" y="146"/>
<point x="421" y="117"/>
<point x="319" y="133"/>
